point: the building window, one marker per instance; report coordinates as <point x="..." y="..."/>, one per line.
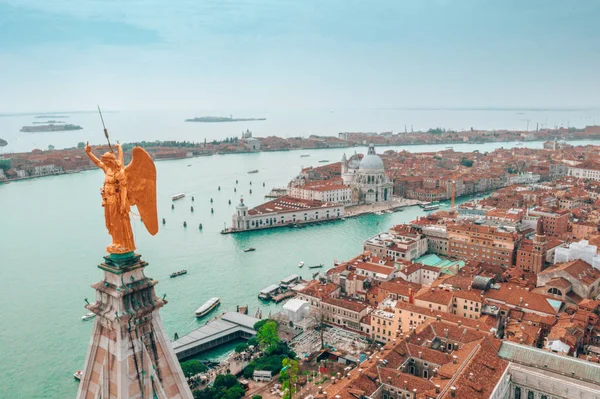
<point x="530" y="395"/>
<point x="517" y="393"/>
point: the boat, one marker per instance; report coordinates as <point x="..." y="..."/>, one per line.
<point x="250" y="249"/>
<point x="88" y="316"/>
<point x="315" y="275"/>
<point x="253" y="171"/>
<point x="304" y="155"/>
<point x="205" y="309"/>
<point x="449" y="147"/>
<point x="301" y="264"/>
<point x="316" y="266"/>
<point x="177" y="196"/>
<point x="430" y="207"/>
<point x="78" y="375"/>
<point x="324" y="160"/>
<point x="378" y="213"/>
<point x="179" y="273"/>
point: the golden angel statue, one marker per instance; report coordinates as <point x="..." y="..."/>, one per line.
<point x="125" y="186"/>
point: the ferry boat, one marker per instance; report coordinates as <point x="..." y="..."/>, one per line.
<point x="304" y="155"/>
<point x="316" y="266"/>
<point x="205" y="309"/>
<point x="324" y="160"/>
<point x="179" y="273"/>
<point x="253" y="171"/>
<point x="431" y="207"/>
<point x="88" y="316"/>
<point x="177" y="196"/>
<point x="301" y="264"/>
<point x="78" y="375"/>
<point x="249" y="249"/>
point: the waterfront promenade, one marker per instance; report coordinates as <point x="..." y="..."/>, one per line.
<point x="394" y="204"/>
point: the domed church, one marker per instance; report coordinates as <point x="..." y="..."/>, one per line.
<point x="367" y="177"/>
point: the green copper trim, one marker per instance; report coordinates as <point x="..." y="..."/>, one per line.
<point x="118" y="257"/>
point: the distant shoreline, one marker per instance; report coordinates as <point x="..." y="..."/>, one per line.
<point x="219" y="119"/>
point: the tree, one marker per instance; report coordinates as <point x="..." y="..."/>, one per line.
<point x="466" y="162"/>
<point x="50" y="147"/>
<point x="256" y="397"/>
<point x="261" y="323"/>
<point x="289" y="376"/>
<point x="239" y="348"/>
<point x="192" y="367"/>
<point x="225" y="381"/>
<point x="267" y="335"/>
<point x="207" y="393"/>
<point x="81" y="145"/>
<point x="235" y="392"/>
<point x="318" y="318"/>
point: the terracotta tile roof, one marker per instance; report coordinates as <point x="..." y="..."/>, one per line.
<point x="471" y="295"/>
<point x="376" y="268"/>
<point x="400" y="287"/>
<point x="433" y="295"/>
<point x="317" y="290"/>
<point x="578" y="269"/>
<point x="515" y="295"/>
<point x="481" y="373"/>
<point x="352" y="305"/>
<point x="559" y="282"/>
<point x="289" y="204"/>
<point x="404" y="381"/>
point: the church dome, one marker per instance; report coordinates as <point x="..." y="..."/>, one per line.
<point x="371" y="160"/>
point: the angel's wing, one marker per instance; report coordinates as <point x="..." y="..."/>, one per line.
<point x="141" y="187"/>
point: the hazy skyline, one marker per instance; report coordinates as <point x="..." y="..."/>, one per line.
<point x="297" y="54"/>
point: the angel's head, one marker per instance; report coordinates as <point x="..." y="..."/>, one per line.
<point x="109" y="159"/>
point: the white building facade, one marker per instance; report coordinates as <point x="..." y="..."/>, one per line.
<point x="284" y="211"/>
<point x="367" y="177"/>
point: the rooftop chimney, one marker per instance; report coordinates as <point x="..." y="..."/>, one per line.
<point x="405" y="385"/>
<point x="437" y="388"/>
<point x="446" y="332"/>
<point x="420" y="355"/>
<point x="454" y="359"/>
<point x="453" y="392"/>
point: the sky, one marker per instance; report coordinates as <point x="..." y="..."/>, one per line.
<point x="298" y="54"/>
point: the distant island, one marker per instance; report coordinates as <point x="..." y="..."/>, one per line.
<point x="3" y="143"/>
<point x="213" y="119"/>
<point x="46" y="122"/>
<point x="50" y="128"/>
<point x="51" y="116"/>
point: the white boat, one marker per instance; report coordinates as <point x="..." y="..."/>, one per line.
<point x="78" y="375"/>
<point x="88" y="316"/>
<point x="177" y="196"/>
<point x="208" y="307"/>
<point x="301" y="264"/>
<point x="430" y="207"/>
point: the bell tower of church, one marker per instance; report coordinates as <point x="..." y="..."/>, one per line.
<point x="129" y="355"/>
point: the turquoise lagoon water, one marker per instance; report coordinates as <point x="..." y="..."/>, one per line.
<point x="52" y="237"/>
